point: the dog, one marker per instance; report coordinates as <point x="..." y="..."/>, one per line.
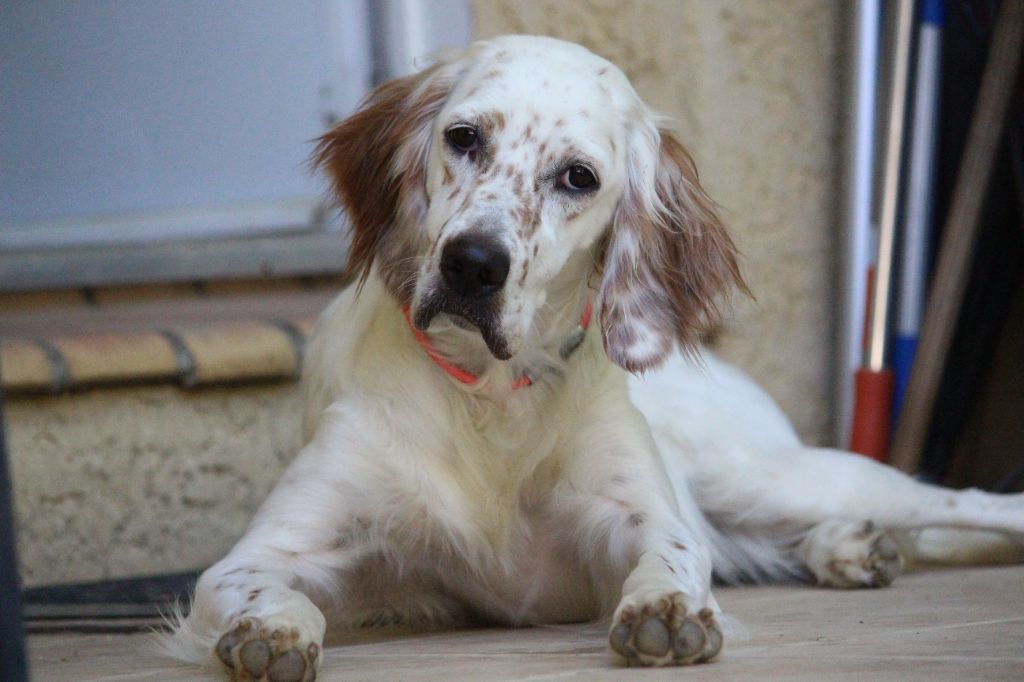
<point x="509" y="416"/>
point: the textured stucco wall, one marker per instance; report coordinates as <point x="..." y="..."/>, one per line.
<point x="142" y="480"/>
<point x="754" y="86"/>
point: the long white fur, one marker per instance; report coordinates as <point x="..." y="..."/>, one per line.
<point x="420" y="500"/>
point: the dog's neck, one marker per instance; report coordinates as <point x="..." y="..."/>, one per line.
<point x="559" y="326"/>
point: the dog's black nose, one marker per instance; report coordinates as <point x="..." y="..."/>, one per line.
<point x="474" y="265"/>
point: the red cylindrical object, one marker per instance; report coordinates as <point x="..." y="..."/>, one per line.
<point x="872" y="413"/>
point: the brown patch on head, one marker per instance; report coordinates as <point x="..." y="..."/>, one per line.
<point x="602" y="71"/>
<point x="526" y="269"/>
<point x="637" y="519"/>
<point x="492" y="122"/>
<point x="667" y="261"/>
<point x="448" y="176"/>
<point x="528" y="133"/>
<point x="377" y="161"/>
<point x="527" y="219"/>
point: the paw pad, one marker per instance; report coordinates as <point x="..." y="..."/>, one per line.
<point x="664" y="633"/>
<point x="254" y="653"/>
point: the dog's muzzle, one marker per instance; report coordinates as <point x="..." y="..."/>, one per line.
<point x="474" y="268"/>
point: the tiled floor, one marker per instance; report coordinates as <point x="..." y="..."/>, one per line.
<point x="949" y="625"/>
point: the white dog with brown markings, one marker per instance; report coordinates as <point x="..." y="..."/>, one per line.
<point x="478" y="450"/>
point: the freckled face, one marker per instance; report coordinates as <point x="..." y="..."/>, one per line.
<point x="528" y="155"/>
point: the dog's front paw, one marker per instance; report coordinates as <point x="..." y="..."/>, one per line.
<point x="258" y="652"/>
<point x="661" y="631"/>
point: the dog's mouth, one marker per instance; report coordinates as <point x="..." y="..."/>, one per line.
<point x="470" y="315"/>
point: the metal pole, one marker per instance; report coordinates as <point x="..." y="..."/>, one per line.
<point x="891" y="186"/>
<point x="872" y="415"/>
<point x="855" y="241"/>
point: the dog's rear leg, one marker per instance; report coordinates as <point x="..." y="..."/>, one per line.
<point x="861" y="554"/>
<point x="829" y="496"/>
<point x="812" y="485"/>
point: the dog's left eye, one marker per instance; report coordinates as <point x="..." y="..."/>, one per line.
<point x="463" y="138"/>
<point x="579" y="177"/>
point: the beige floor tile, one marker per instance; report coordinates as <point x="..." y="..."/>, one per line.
<point x="948" y="625"/>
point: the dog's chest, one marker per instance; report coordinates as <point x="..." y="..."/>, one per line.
<point x="512" y="550"/>
<point x="534" y="577"/>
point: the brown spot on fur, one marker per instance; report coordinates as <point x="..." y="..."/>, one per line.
<point x="637" y="519"/>
<point x="253" y="595"/>
<point x="680" y="546"/>
<point x="492" y="121"/>
<point x="536" y="248"/>
<point x="559" y="122"/>
<point x="448" y="177"/>
<point x="526" y="269"/>
<point x="602" y="71"/>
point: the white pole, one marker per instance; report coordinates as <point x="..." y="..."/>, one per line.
<point x="855" y="245"/>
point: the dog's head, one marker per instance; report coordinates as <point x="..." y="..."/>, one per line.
<point x="500" y="179"/>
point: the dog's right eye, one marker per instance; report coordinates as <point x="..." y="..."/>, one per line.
<point x="463" y="138"/>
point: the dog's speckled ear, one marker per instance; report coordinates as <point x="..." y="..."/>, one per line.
<point x="377" y="160"/>
<point x="668" y="260"/>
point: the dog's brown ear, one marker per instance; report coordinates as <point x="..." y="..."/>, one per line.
<point x="376" y="159"/>
<point x="668" y="260"/>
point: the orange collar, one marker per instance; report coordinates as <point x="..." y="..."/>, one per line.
<point x="467" y="377"/>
